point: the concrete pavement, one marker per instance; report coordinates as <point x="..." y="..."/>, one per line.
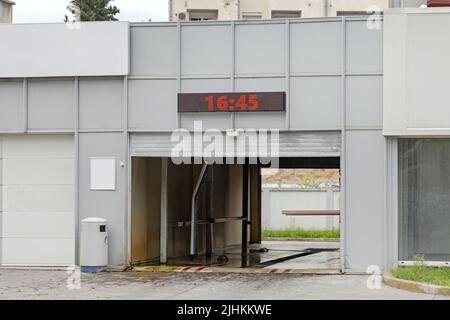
<point x="34" y="284"/>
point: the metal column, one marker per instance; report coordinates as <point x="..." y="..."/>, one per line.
<point x="245" y="212"/>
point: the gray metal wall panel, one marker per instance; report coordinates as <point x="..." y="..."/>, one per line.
<point x="260" y="49"/>
<point x="292" y="144"/>
<point x="364" y="192"/>
<point x="364" y="101"/>
<point x="314" y="100"/>
<point x="316" y="47"/>
<point x="154" y="51"/>
<point x="315" y="68"/>
<point x="220" y="121"/>
<point x="205" y="85"/>
<point x="260" y="120"/>
<point x="364" y="48"/>
<point x="101" y="103"/>
<point x="152" y="105"/>
<point x="260" y="84"/>
<point x="51" y="104"/>
<point x="206" y="51"/>
<point x="105" y="204"/>
<point x="11" y="105"/>
<point x="315" y="103"/>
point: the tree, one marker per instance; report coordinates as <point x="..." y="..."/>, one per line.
<point x="92" y="10"/>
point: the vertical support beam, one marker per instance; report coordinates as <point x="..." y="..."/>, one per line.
<point x="127" y="178"/>
<point x="288" y="74"/>
<point x="245" y="211"/>
<point x="209" y="210"/>
<point x="343" y="141"/>
<point x="391" y="195"/>
<point x="25" y="104"/>
<point x="233" y="69"/>
<point x="179" y="48"/>
<point x="195" y="208"/>
<point x="255" y="204"/>
<point x="77" y="169"/>
<point x="164" y="212"/>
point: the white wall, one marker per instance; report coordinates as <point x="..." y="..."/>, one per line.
<point x="59" y="49"/>
<point x="274" y="201"/>
<point x="37" y="218"/>
<point x="416" y="72"/>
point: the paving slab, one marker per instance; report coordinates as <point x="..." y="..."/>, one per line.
<point x="35" y="284"/>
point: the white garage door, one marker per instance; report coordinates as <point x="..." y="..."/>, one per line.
<point x="37" y="184"/>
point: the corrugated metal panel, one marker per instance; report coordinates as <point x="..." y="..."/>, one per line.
<point x="310" y="144"/>
<point x="291" y="144"/>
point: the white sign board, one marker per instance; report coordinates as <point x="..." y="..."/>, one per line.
<point x="103" y="173"/>
<point x="64" y="50"/>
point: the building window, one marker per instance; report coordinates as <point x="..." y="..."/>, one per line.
<point x="424" y="199"/>
<point x="203" y="15"/>
<point x="283" y="14"/>
<point x="251" y="15"/>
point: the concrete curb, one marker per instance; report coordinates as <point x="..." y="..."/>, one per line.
<point x="413" y="286"/>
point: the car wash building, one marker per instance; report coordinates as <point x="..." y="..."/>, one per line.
<point x="87" y="114"/>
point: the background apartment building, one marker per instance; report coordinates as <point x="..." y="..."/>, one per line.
<point x="6" y="8"/>
<point x="199" y="10"/>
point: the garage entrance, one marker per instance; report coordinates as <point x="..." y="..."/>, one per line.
<point x="213" y="215"/>
<point x="198" y="214"/>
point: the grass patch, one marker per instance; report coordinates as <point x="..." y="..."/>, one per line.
<point x="421" y="273"/>
<point x="299" y="234"/>
<point x="431" y="275"/>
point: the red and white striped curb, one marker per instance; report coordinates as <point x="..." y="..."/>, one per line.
<point x="280" y="271"/>
<point x="209" y="269"/>
<point x="193" y="269"/>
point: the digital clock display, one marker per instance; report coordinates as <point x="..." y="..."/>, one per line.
<point x="232" y="102"/>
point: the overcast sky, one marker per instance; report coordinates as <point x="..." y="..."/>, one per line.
<point x="54" y="10"/>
